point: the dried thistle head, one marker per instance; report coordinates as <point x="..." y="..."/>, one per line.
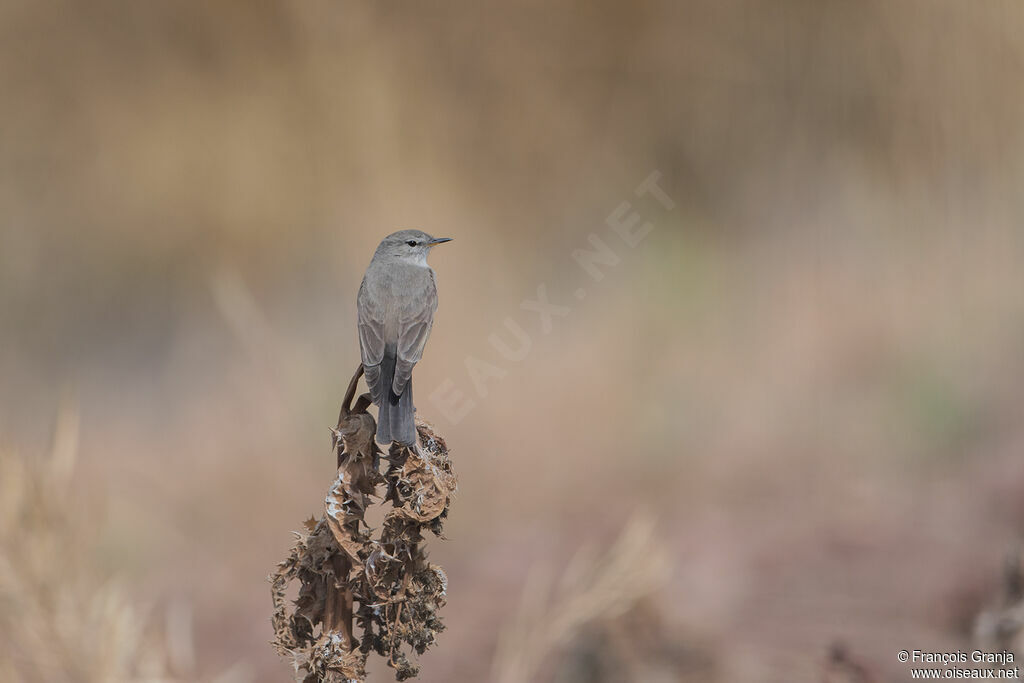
<point x="360" y="591"/>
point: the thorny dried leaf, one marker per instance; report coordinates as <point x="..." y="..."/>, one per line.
<point x="359" y="592"/>
<point x="430" y="483"/>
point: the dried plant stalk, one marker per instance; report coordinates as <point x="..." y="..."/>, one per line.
<point x="360" y="591"/>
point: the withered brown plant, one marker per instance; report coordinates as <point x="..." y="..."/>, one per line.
<point x="364" y="590"/>
<point x="1000" y="626"/>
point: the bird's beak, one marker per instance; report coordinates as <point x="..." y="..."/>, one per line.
<point x="438" y="240"/>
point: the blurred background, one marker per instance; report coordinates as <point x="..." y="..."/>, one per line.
<point x="807" y="373"/>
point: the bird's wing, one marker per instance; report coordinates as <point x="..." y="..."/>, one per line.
<point x="371" y="339"/>
<point x="412" y="337"/>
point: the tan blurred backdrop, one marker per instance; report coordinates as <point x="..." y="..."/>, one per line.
<point x="809" y="369"/>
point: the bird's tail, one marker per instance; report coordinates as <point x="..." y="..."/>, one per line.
<point x="396" y="417"/>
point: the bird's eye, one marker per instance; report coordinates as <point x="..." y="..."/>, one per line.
<point x="411" y="243"/>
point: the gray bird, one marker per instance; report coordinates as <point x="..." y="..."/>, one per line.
<point x="396" y="305"/>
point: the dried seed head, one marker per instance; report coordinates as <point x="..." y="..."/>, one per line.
<point x="361" y="592"/>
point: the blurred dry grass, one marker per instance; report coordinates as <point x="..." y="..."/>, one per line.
<point x="62" y="620"/>
<point x="591" y="591"/>
<point x="810" y="370"/>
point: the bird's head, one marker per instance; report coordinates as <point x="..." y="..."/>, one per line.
<point x="409" y="245"/>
